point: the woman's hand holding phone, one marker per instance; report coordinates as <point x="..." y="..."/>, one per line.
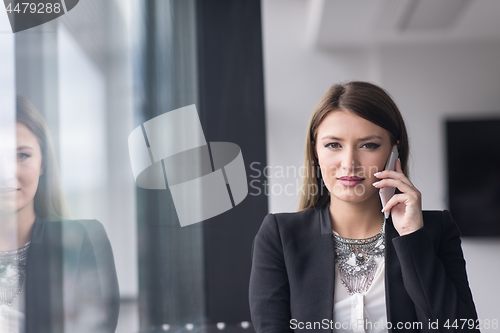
<point x="405" y="207"/>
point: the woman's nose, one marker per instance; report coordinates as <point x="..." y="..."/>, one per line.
<point x="349" y="160"/>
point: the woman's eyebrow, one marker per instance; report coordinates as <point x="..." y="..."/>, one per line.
<point x="360" y="139"/>
<point x="24" y="147"/>
<point x="331" y="137"/>
<point x="370" y="137"/>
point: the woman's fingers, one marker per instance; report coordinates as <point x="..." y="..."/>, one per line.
<point x="400" y="185"/>
<point x="407" y="200"/>
<point x="386" y="174"/>
<point x="398" y="166"/>
<point x="396" y="199"/>
<point x="407" y="218"/>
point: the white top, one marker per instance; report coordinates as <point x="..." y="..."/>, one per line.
<point x="361" y="313"/>
<point x="13" y="318"/>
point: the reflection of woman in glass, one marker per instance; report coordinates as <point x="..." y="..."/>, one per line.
<point x="56" y="275"/>
<point x="338" y="264"/>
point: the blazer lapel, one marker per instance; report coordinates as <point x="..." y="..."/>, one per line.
<point x="317" y="302"/>
<point x="44" y="302"/>
<point x="327" y="252"/>
<point x="399" y="306"/>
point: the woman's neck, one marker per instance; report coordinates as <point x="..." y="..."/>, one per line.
<point x="356" y="220"/>
<point x="15" y="229"/>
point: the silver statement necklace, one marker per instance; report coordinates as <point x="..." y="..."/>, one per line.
<point x="356" y="260"/>
<point x="12" y="273"/>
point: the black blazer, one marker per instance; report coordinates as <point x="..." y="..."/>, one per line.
<point x="70" y="278"/>
<point x="293" y="273"/>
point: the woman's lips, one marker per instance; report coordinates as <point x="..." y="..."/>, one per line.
<point x="7" y="191"/>
<point x="350" y="181"/>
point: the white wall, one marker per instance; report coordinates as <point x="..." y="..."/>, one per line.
<point x="429" y="82"/>
<point x="432" y="83"/>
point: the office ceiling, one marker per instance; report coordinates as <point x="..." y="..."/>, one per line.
<point x="351" y="23"/>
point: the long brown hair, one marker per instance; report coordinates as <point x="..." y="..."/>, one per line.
<point x="49" y="202"/>
<point x="360" y="98"/>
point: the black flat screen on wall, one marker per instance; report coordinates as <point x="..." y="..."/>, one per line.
<point x="473" y="162"/>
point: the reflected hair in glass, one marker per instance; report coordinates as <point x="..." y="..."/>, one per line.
<point x="49" y="202"/>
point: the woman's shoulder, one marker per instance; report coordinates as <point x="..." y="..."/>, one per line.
<point x="291" y="218"/>
<point x="71" y="228"/>
<point x="436" y="218"/>
<point x="75" y="237"/>
<point x="440" y="223"/>
<point x="72" y="224"/>
<point x="287" y="224"/>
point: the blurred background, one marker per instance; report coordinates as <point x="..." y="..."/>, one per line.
<point x="439" y="60"/>
<point x="255" y="70"/>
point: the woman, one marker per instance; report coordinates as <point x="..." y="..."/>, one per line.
<point x="338" y="264"/>
<point x="56" y="275"/>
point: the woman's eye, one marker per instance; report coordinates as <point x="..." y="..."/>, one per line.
<point x="371" y="145"/>
<point x="23" y="156"/>
<point x="333" y="145"/>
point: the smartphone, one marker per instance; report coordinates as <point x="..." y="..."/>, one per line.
<point x="387" y="192"/>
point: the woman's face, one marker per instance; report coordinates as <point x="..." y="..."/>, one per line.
<point x="350" y="149"/>
<point x="19" y="188"/>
